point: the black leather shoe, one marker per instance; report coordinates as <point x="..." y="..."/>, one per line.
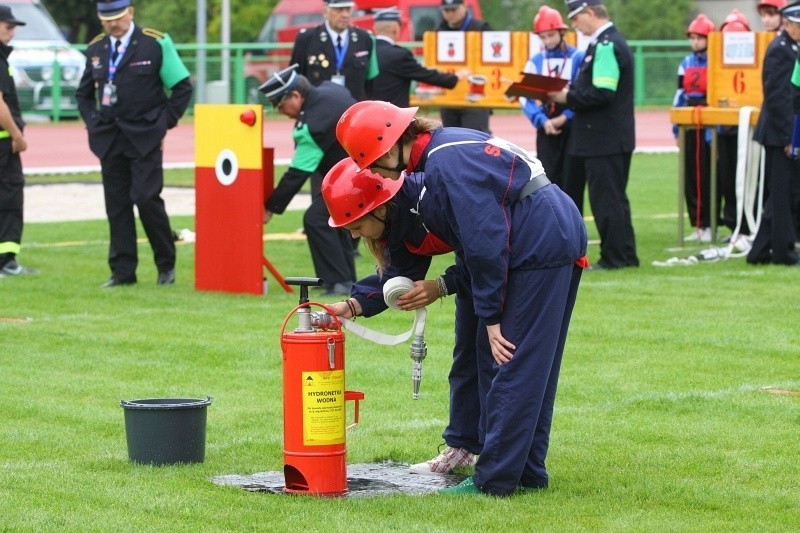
<point x="166" y="278"/>
<point x="116" y="282"/>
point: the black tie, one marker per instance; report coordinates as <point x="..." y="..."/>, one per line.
<point x="116" y="50"/>
<point x="339" y="42"/>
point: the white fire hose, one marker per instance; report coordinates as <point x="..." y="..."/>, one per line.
<point x="392" y="290"/>
<point x="749" y="199"/>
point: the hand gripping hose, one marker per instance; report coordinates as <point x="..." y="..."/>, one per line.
<point x="392" y="290"/>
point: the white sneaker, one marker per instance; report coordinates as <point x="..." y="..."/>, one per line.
<point x="700" y="234"/>
<point x="743" y="243"/>
<point x="445" y="462"/>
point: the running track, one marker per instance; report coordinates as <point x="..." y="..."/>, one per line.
<point x="63" y="147"/>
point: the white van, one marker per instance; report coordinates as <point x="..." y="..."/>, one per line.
<point x="40" y="47"/>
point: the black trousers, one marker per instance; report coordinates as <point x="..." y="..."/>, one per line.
<point x="131" y="179"/>
<point x="774" y="242"/>
<point x="607" y="179"/>
<point x="551" y="151"/>
<point x="727" y="156"/>
<point x="697" y="186"/>
<point x="331" y="248"/>
<point x="12" y="185"/>
<point x="476" y="119"/>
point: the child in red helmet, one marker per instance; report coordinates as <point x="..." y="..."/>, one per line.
<point x="692" y="85"/>
<point x="522" y="243"/>
<point x="728" y="149"/>
<point x="552" y="121"/>
<point x="770" y="13"/>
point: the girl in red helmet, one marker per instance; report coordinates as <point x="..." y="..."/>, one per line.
<point x="559" y="60"/>
<point x="692" y="86"/>
<point x="522" y="243"/>
<point x="770" y="13"/>
<point x="727" y="145"/>
<point x="380" y="211"/>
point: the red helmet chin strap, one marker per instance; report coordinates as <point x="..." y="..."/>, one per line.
<point x="401" y="165"/>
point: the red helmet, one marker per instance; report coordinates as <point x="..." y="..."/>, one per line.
<point x="701" y="25"/>
<point x="777" y="4"/>
<point x="548" y="19"/>
<point x="351" y="193"/>
<point x="369" y="129"/>
<point x="735" y="21"/>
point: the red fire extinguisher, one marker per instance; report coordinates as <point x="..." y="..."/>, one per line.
<point x="314" y="395"/>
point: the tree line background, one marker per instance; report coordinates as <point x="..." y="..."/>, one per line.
<point x="637" y="19"/>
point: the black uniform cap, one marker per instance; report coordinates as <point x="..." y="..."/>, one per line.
<point x="280" y="84"/>
<point x="576" y="6"/>
<point x="6" y="15"/>
<point x="791" y="12"/>
<point x="451" y="4"/>
<point x="112" y="9"/>
<point x="389" y="14"/>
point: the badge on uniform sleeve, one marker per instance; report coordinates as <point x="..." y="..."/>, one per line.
<point x="95" y="62"/>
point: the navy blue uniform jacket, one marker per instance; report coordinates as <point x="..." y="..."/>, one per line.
<point x="316" y="147"/>
<point x="143" y="112"/>
<point x="775" y="122"/>
<point x="408" y="255"/>
<point x="397" y="68"/>
<point x="604" y="120"/>
<point x="315" y="55"/>
<point x="470" y="200"/>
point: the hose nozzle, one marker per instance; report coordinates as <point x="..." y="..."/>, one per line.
<point x="418" y="352"/>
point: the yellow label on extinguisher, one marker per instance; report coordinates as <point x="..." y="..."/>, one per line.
<point x="323" y="408"/>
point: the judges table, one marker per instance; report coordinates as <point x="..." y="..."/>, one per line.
<point x="693" y="117"/>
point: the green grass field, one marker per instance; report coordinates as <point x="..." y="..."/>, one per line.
<point x="664" y="420"/>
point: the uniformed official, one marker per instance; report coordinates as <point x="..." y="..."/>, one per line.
<point x="316" y="111"/>
<point x="775" y="240"/>
<point x="397" y="65"/>
<point x="336" y="51"/>
<point x="602" y="142"/>
<point x="123" y="99"/>
<point x="795" y="152"/>
<point x="12" y="143"/>
<point x="457" y="17"/>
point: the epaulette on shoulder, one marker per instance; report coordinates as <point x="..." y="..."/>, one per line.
<point x="155" y="34"/>
<point x="99" y="37"/>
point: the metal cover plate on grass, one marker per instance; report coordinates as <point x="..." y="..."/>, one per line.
<point x="374" y="479"/>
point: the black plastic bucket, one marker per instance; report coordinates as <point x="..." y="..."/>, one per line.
<point x="165" y="431"/>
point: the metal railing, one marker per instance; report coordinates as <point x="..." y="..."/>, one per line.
<point x="248" y="65"/>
